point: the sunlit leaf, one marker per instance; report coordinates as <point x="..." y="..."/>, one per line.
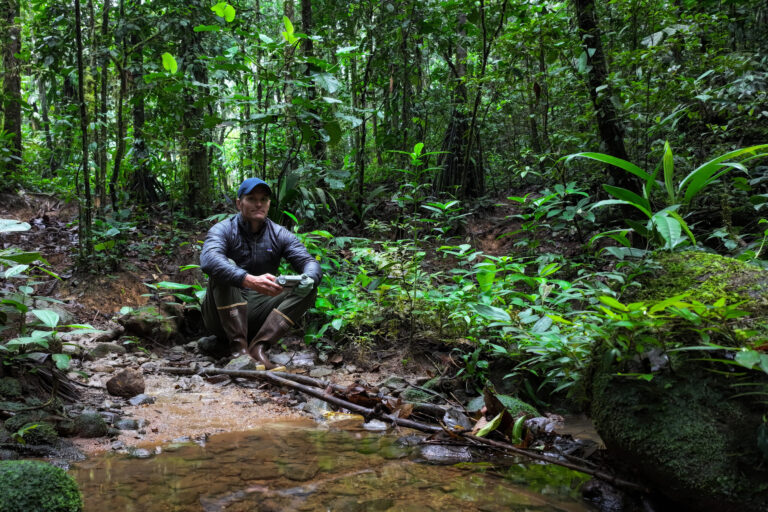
<point x="169" y="63"/>
<point x="491" y="426"/>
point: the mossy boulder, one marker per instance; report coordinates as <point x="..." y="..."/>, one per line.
<point x="90" y="425"/>
<point x="35" y="485"/>
<point x="10" y="388"/>
<point x="39" y="433"/>
<point x="690" y="432"/>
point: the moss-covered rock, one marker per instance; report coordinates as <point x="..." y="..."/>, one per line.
<point x="90" y="425"/>
<point x="690" y="432"/>
<point x="34" y="485"/>
<point x="39" y="433"/>
<point x="707" y="277"/>
<point x="10" y="388"/>
<point x="15" y="423"/>
<point x="515" y="406"/>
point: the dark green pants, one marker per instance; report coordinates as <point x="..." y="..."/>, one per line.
<point x="220" y="296"/>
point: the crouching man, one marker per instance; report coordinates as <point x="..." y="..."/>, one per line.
<point x="244" y="307"/>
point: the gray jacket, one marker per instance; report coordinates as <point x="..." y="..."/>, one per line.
<point x="253" y="253"/>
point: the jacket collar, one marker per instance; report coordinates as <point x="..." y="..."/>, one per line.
<point x="245" y="227"/>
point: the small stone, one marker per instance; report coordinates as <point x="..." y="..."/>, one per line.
<point x="127" y="424"/>
<point x="90" y="425"/>
<point x="320" y="371"/>
<point x="139" y="453"/>
<point x="375" y="426"/>
<point x="117" y="445"/>
<point x="104" y="349"/>
<point x="141" y="399"/>
<point x="128" y="383"/>
<point x="243" y="363"/>
<point x="394" y="383"/>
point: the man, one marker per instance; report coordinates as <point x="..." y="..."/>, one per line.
<point x="241" y="256"/>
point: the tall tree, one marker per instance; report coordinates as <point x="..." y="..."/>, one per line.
<point x="600" y="90"/>
<point x="11" y="46"/>
<point x="86" y="212"/>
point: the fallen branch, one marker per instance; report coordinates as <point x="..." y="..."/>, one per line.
<point x="280" y="379"/>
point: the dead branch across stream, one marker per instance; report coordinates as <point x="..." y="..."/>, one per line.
<point x="318" y="389"/>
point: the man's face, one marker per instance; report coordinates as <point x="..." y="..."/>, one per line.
<point x="254" y="206"/>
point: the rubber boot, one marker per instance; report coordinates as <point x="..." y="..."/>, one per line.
<point x="234" y="321"/>
<point x="274" y="328"/>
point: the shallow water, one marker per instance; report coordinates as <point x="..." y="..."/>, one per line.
<point x="290" y="467"/>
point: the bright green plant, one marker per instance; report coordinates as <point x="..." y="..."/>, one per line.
<point x="665" y="225"/>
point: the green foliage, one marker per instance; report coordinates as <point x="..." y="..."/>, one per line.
<point x="35" y="485"/>
<point x="666" y="225"/>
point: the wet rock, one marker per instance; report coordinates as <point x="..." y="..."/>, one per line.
<point x="544" y="424"/>
<point x="139" y="453"/>
<point x="90" y="425"/>
<point x="127" y="424"/>
<point x="443" y="454"/>
<point x="243" y="363"/>
<point x="316" y="408"/>
<point x="685" y="433"/>
<point x="320" y="372"/>
<point x="394" y="383"/>
<point x="603" y="495"/>
<point x="110" y="417"/>
<point x="151" y="323"/>
<point x="103" y="350"/>
<point x="417" y="395"/>
<point x="141" y="399"/>
<point x="455" y="419"/>
<point x="190" y="383"/>
<point x="128" y="383"/>
<point x="375" y="426"/>
<point x="117" y="445"/>
<point x="475" y="404"/>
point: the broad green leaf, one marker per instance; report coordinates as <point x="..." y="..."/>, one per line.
<point x="328" y="99"/>
<point x="668" y="228"/>
<point x="15" y="270"/>
<point x="327" y="81"/>
<point x="8" y="225"/>
<point x="491" y="312"/>
<point x="21" y="257"/>
<point x="333" y="130"/>
<point x="542" y="324"/>
<point x="288" y="34"/>
<point x="207" y="28"/>
<point x="169" y="63"/>
<point x="486" y="274"/>
<point x="611" y="302"/>
<point x="168" y="285"/>
<point x="683" y="225"/>
<point x="747" y="358"/>
<point x="491" y="426"/>
<point x="702" y="175"/>
<point x="337" y="323"/>
<point x="61" y="360"/>
<point x="266" y="39"/>
<point x="224" y="10"/>
<point x="630" y="197"/>
<point x="48" y="317"/>
<point x="27" y="340"/>
<point x="612" y="160"/>
<point x="609" y="202"/>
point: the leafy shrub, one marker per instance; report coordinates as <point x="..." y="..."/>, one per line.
<point x="34" y="485"/>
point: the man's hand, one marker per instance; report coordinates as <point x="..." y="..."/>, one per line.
<point x="305" y="286"/>
<point x="264" y="284"/>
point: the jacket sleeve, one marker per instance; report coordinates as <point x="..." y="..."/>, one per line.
<point x="299" y="258"/>
<point x="214" y="259"/>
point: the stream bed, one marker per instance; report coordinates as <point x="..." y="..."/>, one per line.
<point x="290" y="466"/>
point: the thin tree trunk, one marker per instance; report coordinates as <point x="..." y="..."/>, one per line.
<point x="84" y="229"/>
<point x="120" y="136"/>
<point x="42" y="91"/>
<point x="317" y="146"/>
<point x="11" y="92"/>
<point x="609" y="125"/>
<point x="102" y="126"/>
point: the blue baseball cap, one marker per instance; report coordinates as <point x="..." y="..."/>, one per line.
<point x="248" y="185"/>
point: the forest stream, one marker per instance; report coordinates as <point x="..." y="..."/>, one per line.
<point x="297" y="466"/>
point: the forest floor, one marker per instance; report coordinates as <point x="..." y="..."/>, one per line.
<point x="192" y="406"/>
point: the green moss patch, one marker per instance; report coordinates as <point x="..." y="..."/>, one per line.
<point x="33" y="485"/>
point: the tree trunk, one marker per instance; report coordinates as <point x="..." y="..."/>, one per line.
<point x="102" y="126"/>
<point x="317" y="146"/>
<point x="609" y="125"/>
<point x="84" y="229"/>
<point x="42" y="91"/>
<point x="198" y="177"/>
<point x="11" y="93"/>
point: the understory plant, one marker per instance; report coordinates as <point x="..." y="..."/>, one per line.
<point x="666" y="209"/>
